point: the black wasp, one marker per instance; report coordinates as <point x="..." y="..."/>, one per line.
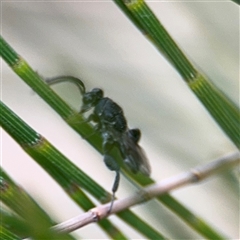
<point x="111" y="122"/>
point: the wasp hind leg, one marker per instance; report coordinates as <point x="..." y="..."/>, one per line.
<point x="112" y="165"/>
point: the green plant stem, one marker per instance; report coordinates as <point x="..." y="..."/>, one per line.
<point x="62" y="170"/>
<point x="191" y="219"/>
<point x="22" y="69"/>
<point x="37" y="222"/>
<point x="150" y="26"/>
<point x="95" y="140"/>
<point x="73" y="190"/>
<point x="224" y="111"/>
<point x="220" y="107"/>
<point x="13" y="223"/>
<point x="20" y="66"/>
<point x="236" y="1"/>
<point x="28" y="138"/>
<point x="7" y="235"/>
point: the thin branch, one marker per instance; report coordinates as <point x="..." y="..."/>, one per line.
<point x="195" y="175"/>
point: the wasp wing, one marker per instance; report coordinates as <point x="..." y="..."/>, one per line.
<point x="134" y="156"/>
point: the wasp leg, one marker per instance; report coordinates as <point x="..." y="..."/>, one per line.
<point x="114" y="189"/>
<point x="113" y="166"/>
<point x="96" y="127"/>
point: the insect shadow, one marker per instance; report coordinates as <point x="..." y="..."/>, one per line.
<point x="110" y="121"/>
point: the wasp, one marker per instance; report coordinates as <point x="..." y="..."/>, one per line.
<point x="110" y="121"/>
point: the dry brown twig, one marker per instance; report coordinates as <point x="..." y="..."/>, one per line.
<point x="195" y="175"/>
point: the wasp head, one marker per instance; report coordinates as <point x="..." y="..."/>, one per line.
<point x="90" y="99"/>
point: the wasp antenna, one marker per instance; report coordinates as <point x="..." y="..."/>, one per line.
<point x="72" y="79"/>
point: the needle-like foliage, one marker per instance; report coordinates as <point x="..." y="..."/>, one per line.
<point x="69" y="176"/>
<point x="31" y="221"/>
<point x="224" y="111"/>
